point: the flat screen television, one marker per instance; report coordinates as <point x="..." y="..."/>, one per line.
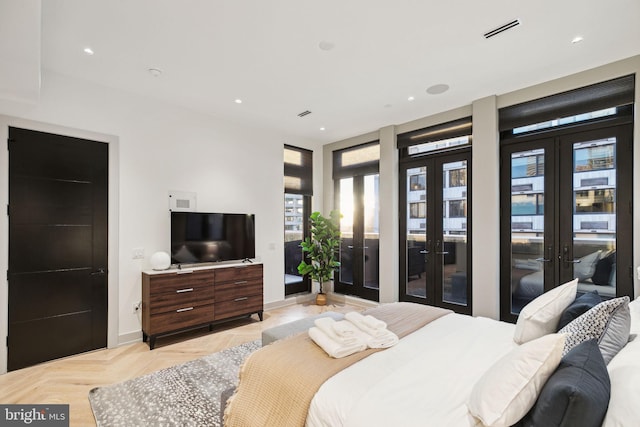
<point x="199" y="237"/>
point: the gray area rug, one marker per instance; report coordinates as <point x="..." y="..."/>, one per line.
<point x="183" y="395"/>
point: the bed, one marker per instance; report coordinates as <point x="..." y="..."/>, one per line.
<point x="435" y="375"/>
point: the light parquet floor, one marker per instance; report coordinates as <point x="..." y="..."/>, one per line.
<point x="68" y="380"/>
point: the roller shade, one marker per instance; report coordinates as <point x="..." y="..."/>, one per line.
<point x="453" y="129"/>
<point x="356" y="161"/>
<point x="611" y="93"/>
<point x="298" y="171"/>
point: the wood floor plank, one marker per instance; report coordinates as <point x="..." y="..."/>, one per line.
<point x="69" y="380"/>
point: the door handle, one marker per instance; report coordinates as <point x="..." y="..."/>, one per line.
<point x="548" y="256"/>
<point x="100" y="272"/>
<point x="440" y="252"/>
<point x="565" y="251"/>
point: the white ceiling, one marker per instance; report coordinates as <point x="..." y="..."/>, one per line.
<point x="266" y="52"/>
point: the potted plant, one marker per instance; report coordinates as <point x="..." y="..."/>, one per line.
<point x="321" y="250"/>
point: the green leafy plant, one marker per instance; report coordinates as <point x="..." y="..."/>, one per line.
<point x="321" y="248"/>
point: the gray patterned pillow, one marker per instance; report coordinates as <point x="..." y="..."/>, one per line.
<point x="608" y="322"/>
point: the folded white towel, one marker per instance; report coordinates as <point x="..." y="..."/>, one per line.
<point x="345" y="329"/>
<point x="374" y="323"/>
<point x="331" y="347"/>
<point x="326" y="325"/>
<point x="389" y="339"/>
<point x="358" y="320"/>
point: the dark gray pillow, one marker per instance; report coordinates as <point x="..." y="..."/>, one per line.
<point x="576" y="394"/>
<point x="579" y="306"/>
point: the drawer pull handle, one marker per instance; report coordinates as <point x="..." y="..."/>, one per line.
<point x="241" y="299"/>
<point x="184" y="271"/>
<point x="181" y="310"/>
<point x="179" y="291"/>
<point x="241" y="282"/>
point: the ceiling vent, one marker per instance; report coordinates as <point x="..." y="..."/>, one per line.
<point x="304" y="113"/>
<point x="502" y="28"/>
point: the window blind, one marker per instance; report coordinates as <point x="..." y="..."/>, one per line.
<point x="607" y="94"/>
<point x="298" y="171"/>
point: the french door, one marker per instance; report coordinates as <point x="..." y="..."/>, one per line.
<point x="435" y="231"/>
<point x="566" y="203"/>
<point x="359" y="207"/>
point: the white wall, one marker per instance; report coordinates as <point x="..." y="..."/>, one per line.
<point x="232" y="168"/>
<point x="485" y="158"/>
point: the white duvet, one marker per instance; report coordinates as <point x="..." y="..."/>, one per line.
<point x="424" y="380"/>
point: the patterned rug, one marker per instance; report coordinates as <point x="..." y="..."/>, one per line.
<point x="183" y="395"/>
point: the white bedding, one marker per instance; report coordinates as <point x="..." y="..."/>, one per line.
<point x="425" y="380"/>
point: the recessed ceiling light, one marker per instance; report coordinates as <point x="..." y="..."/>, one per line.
<point x="437" y="89"/>
<point x="88" y="51"/>
<point x="411" y="98"/>
<point x="322" y="128"/>
<point x="155" y="72"/>
<point x="326" y="45"/>
<point x="238" y="101"/>
<point x="577" y="39"/>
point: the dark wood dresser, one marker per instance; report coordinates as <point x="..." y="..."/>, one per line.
<point x="178" y="300"/>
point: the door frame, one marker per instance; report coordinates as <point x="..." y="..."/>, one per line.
<point x="434" y="294"/>
<point x="113" y="225"/>
<point x="622" y="126"/>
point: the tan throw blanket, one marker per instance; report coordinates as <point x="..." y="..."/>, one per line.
<point x="278" y="382"/>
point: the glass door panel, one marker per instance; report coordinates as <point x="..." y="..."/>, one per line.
<point x="416" y="232"/>
<point x="371" y="231"/>
<point x="593" y="256"/>
<point x="528" y="255"/>
<point x="566" y="202"/>
<point x="454" y="233"/>
<point x="435" y="256"/>
<point x="293" y="236"/>
<point x="346" y="231"/>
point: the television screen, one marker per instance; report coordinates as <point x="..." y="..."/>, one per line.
<point x="198" y="237"/>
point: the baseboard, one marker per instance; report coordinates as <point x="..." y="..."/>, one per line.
<point x="292" y="300"/>
<point x="129" y="338"/>
<point x="351" y="300"/>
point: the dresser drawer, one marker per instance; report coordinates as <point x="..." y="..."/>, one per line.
<point x="178" y="281"/>
<point x="181" y="318"/>
<point x="238" y="273"/>
<point x="239" y="306"/>
<point x="231" y="291"/>
<point x="181" y="298"/>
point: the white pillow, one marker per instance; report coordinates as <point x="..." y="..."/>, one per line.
<point x="509" y="389"/>
<point x="541" y="316"/>
<point x="587" y="266"/>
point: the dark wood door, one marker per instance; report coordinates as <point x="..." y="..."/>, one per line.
<point x="58" y="195"/>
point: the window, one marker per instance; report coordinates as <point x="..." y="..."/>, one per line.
<point x="595" y="201"/>
<point x="417" y="182"/>
<point x="594" y="158"/>
<point x="458" y="209"/>
<point x="298" y="189"/>
<point x="527" y="204"/>
<point x="458" y="178"/>
<point x="527" y="166"/>
<point x="417" y="210"/>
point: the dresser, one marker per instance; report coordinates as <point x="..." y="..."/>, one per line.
<point x="178" y="300"/>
